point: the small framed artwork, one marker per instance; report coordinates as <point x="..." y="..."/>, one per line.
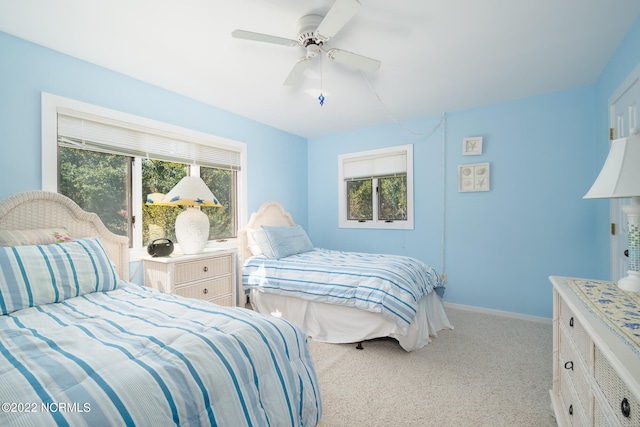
<point x="472" y="146"/>
<point x="473" y="177"/>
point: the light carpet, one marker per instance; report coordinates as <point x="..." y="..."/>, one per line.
<point x="488" y="371"/>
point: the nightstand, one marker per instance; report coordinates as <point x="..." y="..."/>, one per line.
<point x="209" y="275"/>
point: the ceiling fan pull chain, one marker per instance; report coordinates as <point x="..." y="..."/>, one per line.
<point x="321" y="97"/>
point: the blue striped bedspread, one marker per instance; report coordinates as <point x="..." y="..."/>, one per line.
<point x="134" y="356"/>
<point x="390" y="285"/>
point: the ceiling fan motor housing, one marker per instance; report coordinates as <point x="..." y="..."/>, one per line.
<point x="307" y="26"/>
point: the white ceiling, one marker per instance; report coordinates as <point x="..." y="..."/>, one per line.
<point x="437" y="56"/>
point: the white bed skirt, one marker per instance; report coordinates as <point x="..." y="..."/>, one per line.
<point x="338" y="324"/>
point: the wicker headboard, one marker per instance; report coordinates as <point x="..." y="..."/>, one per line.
<point x="44" y="209"/>
<point x="270" y="213"/>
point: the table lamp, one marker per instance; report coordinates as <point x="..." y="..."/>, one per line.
<point x="620" y="177"/>
<point x="192" y="225"/>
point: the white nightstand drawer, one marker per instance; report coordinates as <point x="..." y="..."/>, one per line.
<point x="195" y="270"/>
<point x="227" y="301"/>
<point x="624" y="405"/>
<point x="210" y="289"/>
<point x="210" y="275"/>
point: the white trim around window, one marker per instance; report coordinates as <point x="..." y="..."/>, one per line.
<point x="53" y="104"/>
<point x="372" y="164"/>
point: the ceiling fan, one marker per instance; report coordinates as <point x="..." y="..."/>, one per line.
<point x="314" y="31"/>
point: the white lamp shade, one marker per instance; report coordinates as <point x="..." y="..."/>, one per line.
<point x="190" y="191"/>
<point x="620" y="175"/>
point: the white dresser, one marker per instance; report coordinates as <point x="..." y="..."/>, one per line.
<point x="596" y="367"/>
<point x="209" y="275"/>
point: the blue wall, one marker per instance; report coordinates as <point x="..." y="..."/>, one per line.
<point x="274" y="157"/>
<point x="501" y="245"/>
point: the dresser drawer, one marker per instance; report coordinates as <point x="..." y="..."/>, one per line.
<point x="577" y="333"/>
<point x="599" y="417"/>
<point x="572" y="411"/>
<point x="196" y="270"/>
<point x="208" y="289"/>
<point x="573" y="378"/>
<point x="623" y="404"/>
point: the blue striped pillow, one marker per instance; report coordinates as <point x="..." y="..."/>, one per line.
<point x="43" y="274"/>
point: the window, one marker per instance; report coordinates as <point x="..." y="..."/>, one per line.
<point x="376" y="188"/>
<point x="110" y="162"/>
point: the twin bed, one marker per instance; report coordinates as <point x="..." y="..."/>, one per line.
<point x="81" y="346"/>
<point x="334" y="296"/>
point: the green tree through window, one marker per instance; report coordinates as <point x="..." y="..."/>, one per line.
<point x="102" y="183"/>
<point x="98" y="183"/>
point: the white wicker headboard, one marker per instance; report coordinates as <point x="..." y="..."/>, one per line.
<point x="270" y="213"/>
<point x="44" y="209"/>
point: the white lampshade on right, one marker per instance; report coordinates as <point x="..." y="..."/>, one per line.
<point x="620" y="178"/>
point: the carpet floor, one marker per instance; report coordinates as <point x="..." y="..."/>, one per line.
<point x="488" y="371"/>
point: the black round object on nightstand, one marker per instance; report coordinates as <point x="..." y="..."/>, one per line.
<point x="160" y="247"/>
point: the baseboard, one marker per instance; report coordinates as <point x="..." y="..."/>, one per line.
<point x="502" y="313"/>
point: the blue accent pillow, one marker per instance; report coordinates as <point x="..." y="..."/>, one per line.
<point x="44" y="274"/>
<point x="287" y="241"/>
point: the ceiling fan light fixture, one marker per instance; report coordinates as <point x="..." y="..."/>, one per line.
<point x="313" y="50"/>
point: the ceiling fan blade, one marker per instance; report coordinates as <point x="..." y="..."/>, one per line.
<point x="296" y="72"/>
<point x="259" y="37"/>
<point x="353" y="60"/>
<point x="339" y="14"/>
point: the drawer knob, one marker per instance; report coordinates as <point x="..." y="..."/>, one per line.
<point x="625" y="407"/>
<point x="571" y="322"/>
<point x="570" y="409"/>
<point x="205" y="291"/>
<point x="568" y="365"/>
<point x="205" y="269"/>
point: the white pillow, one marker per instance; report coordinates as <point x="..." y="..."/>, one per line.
<point x="258" y="243"/>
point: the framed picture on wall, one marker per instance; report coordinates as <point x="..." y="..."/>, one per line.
<point x="473" y="177"/>
<point x="472" y="146"/>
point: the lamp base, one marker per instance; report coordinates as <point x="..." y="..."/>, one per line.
<point x="192" y="230"/>
<point x="631" y="282"/>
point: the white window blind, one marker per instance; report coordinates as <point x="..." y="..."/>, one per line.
<point x="85" y="131"/>
<point x="375" y="165"/>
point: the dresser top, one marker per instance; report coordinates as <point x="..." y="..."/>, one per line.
<point x="618" y="310"/>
